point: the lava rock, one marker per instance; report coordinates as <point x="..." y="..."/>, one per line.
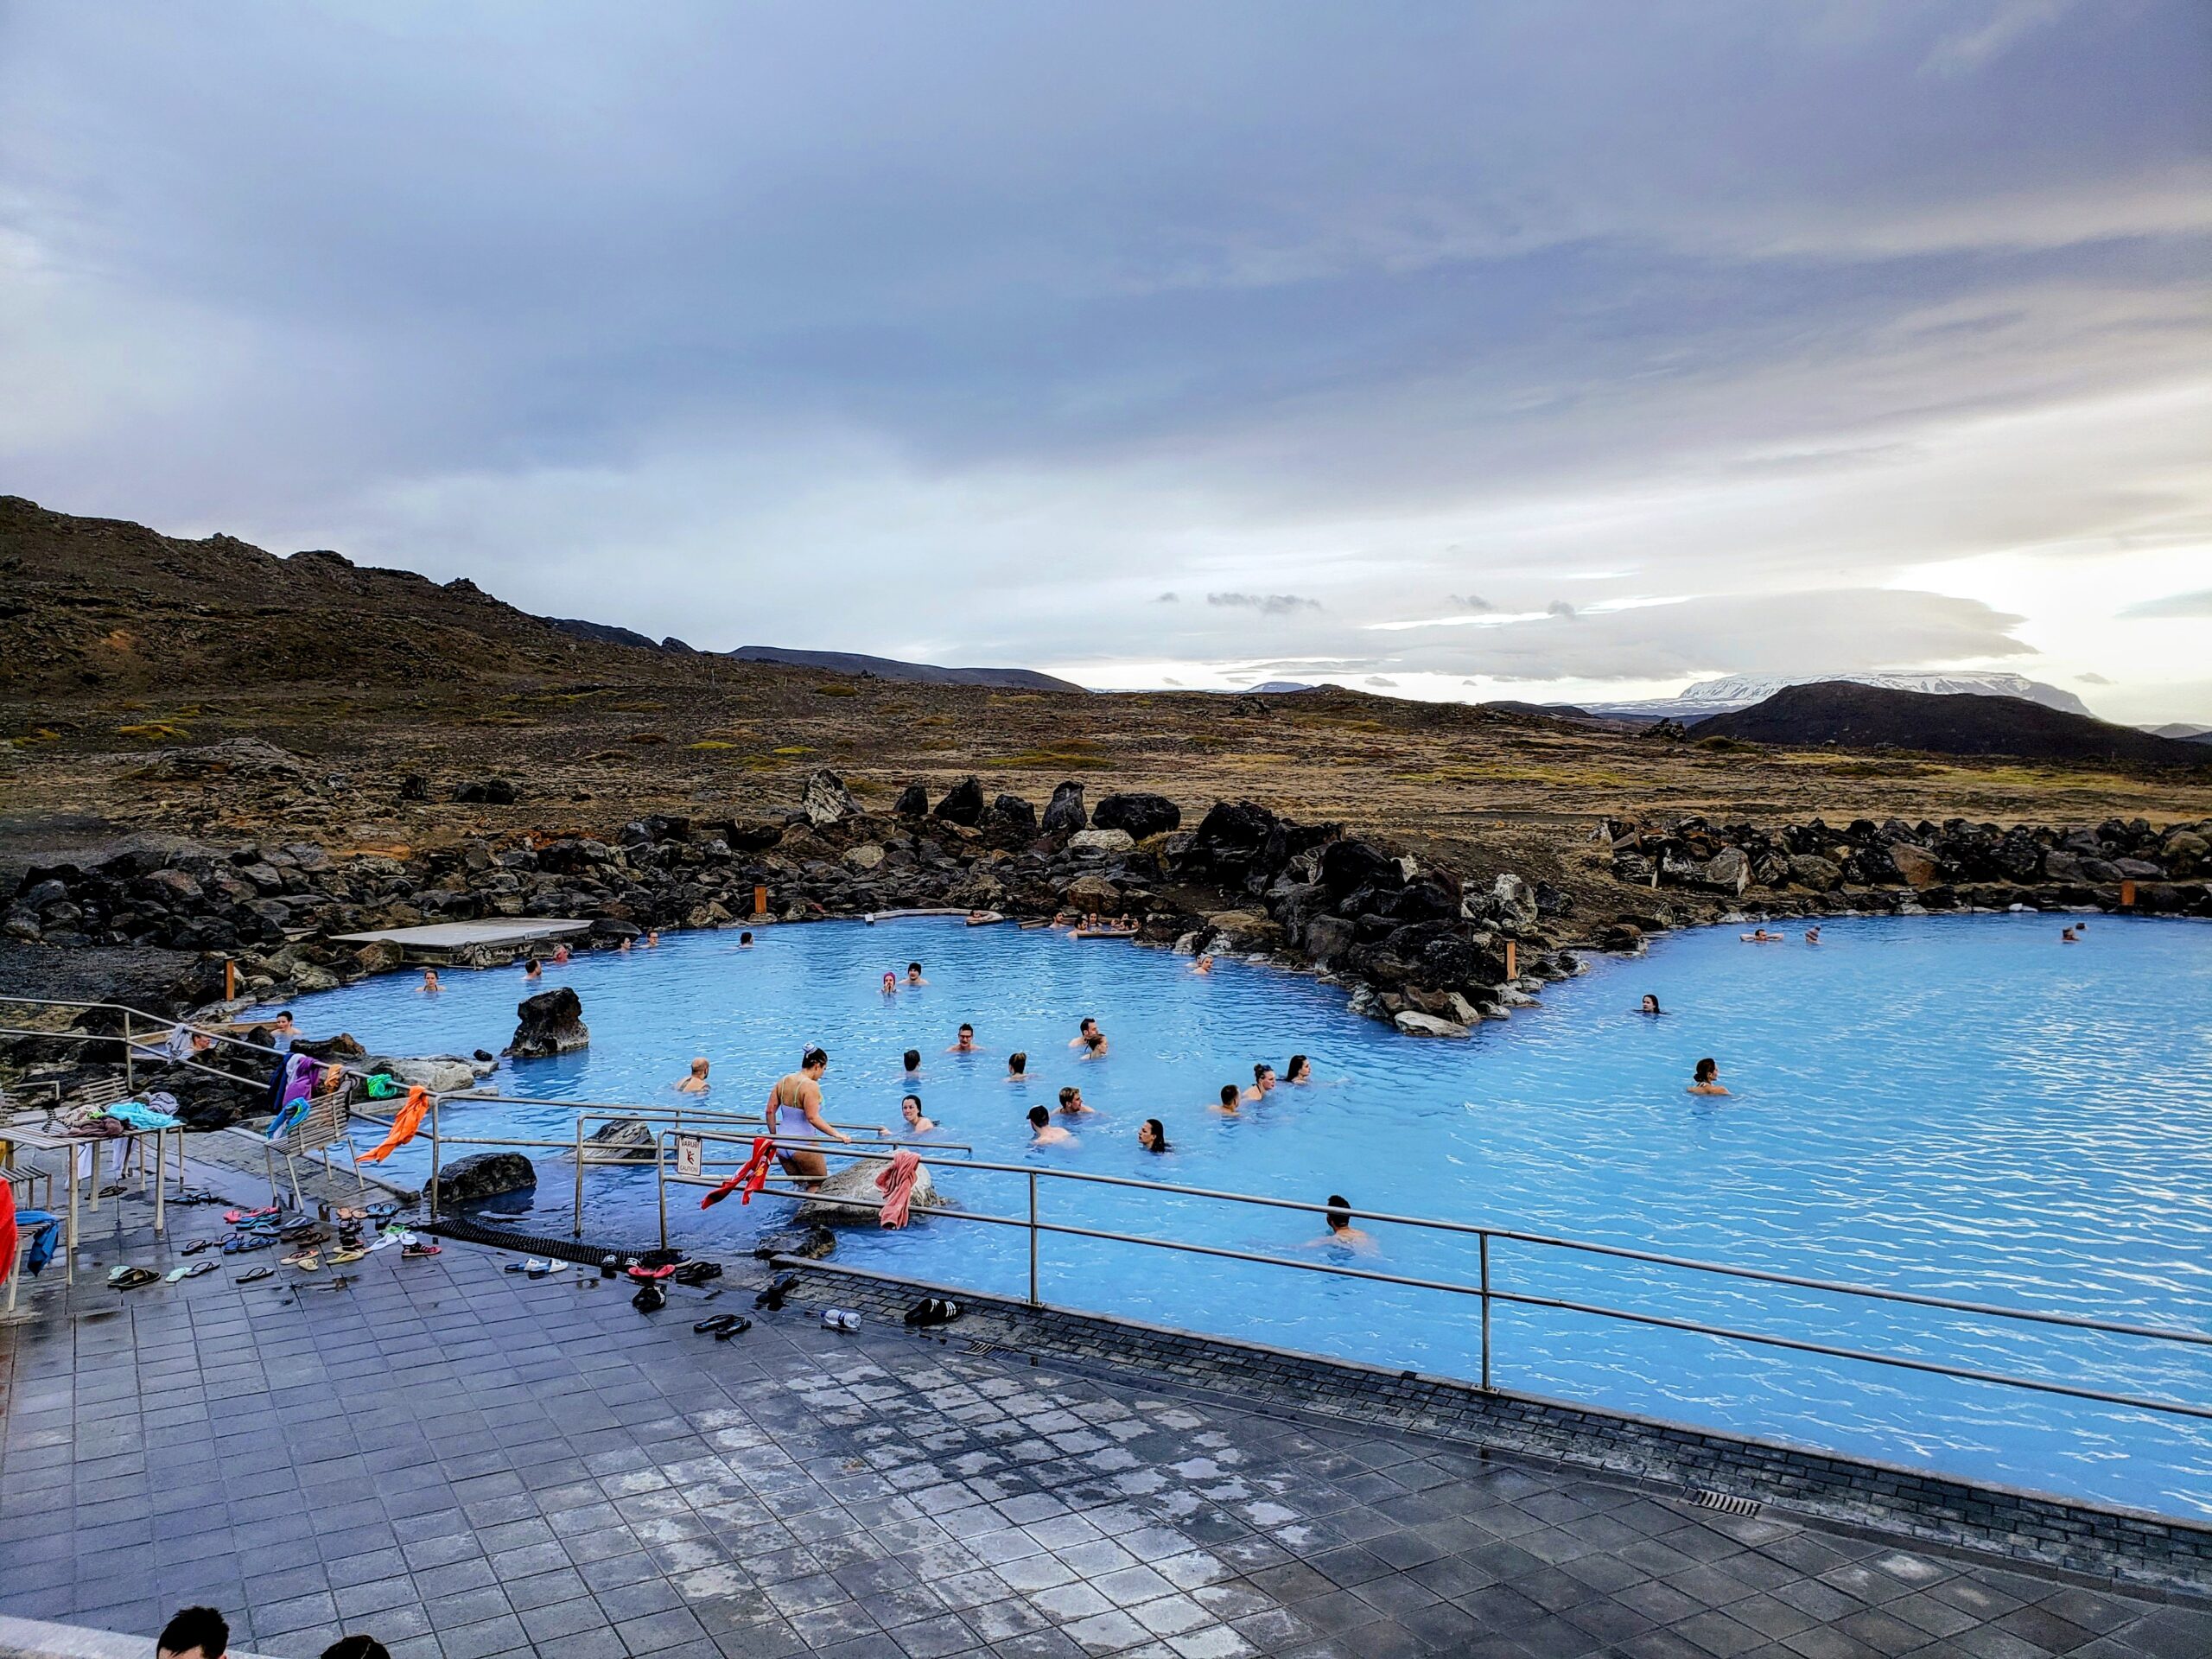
<point x="486" y="792"/>
<point x="1140" y="815"/>
<point x="1916" y="865"/>
<point x="751" y="834"/>
<point x="483" y="1175"/>
<point x="1013" y="816"/>
<point x="552" y="1022"/>
<point x="808" y="1244"/>
<point x="913" y="802"/>
<point x="1415" y="1024"/>
<point x="1064" y="815"/>
<point x="414" y="787"/>
<point x="1347" y="866"/>
<point x="624" y="1140"/>
<point x="827" y="800"/>
<point x="1105" y="843"/>
<point x="963" y="803"/>
<point x="858" y="1181"/>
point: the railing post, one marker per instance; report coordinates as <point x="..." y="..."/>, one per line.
<point x="577" y="1231"/>
<point x="660" y="1180"/>
<point x="1032" y="1240"/>
<point x="130" y="1061"/>
<point x="431" y="1191"/>
<point x="1483" y="1240"/>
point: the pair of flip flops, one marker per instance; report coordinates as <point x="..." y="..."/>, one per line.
<point x="255" y="1275"/>
<point x="722" y="1326"/>
<point x="778" y="1287"/>
<point x="239" y="1218"/>
<point x="124" y="1276"/>
<point x="651" y="1297"/>
<point x="644" y="1274"/>
<point x="932" y="1310"/>
<point x="537" y="1267"/>
<point x="697" y="1273"/>
<point x="240" y="1243"/>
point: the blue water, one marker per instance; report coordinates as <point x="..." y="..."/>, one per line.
<point x="1960" y="1106"/>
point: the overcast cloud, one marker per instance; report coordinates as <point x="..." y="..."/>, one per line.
<point x="1588" y="348"/>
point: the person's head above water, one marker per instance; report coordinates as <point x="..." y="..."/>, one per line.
<point x="1262" y="1074"/>
<point x="1706" y="1070"/>
<point x="910" y="1108"/>
<point x="1650" y="1003"/>
<point x="1088" y="1027"/>
<point x="744" y="938"/>
<point x="816" y="1060"/>
<point x="1340" y="1212"/>
<point x="966" y="1033"/>
<point x="1152" y="1134"/>
<point x="1299" y="1070"/>
<point x="1038" y="1117"/>
<point x="1016" y="1064"/>
<point x="890" y="981"/>
<point x="195" y="1633"/>
<point x="699" y="1066"/>
<point x="1094" y="1040"/>
<point x="913" y="1059"/>
<point x="1228" y="1096"/>
<point x="913" y="973"/>
<point x="530" y="966"/>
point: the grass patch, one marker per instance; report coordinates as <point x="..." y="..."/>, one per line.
<point x="155" y="731"/>
<point x="638" y="708"/>
<point x="837" y="690"/>
<point x="793" y="751"/>
<point x="710" y="743"/>
<point x="1053" y="760"/>
<point x="647" y="737"/>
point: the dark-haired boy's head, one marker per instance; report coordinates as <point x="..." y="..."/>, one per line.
<point x="357" y="1646"/>
<point x="195" y="1633"/>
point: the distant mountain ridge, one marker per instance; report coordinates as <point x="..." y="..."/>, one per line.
<point x="1733" y="691"/>
<point x="1846" y="714"/>
<point x="889" y="668"/>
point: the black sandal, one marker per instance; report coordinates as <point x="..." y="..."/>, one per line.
<point x="718" y="1322"/>
<point x="778" y="1287"/>
<point x="738" y="1328"/>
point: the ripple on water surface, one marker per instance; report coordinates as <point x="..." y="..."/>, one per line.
<point x="1960" y="1106"/>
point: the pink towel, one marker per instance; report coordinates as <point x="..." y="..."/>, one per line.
<point x="896" y="1185"/>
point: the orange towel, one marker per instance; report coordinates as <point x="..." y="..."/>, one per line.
<point x="408" y="1118"/>
<point x="896" y="1183"/>
<point x="752" y="1177"/>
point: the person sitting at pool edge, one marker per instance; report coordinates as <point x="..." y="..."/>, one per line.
<point x="910" y="1108"/>
<point x="1229" y="1099"/>
<point x="696" y="1083"/>
<point x="1151" y="1135"/>
<point x="1706" y="1078"/>
<point x="1071" y="1103"/>
<point x="966" y="1045"/>
<point x="1017" y="1067"/>
<point x="797" y="1095"/>
<point x="1264" y="1082"/>
<point x="1083" y="1033"/>
<point x="1043" y="1131"/>
<point x="1651" y="1005"/>
<point x="1299" y="1070"/>
<point x="913" y="1059"/>
<point x="1342" y="1235"/>
<point x="914" y="974"/>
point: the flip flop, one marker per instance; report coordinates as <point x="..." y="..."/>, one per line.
<point x="778" y="1287"/>
<point x="650" y="1297"/>
<point x="255" y="1275"/>
<point x="197" y="1245"/>
<point x="199" y="1268"/>
<point x="667" y="1270"/>
<point x="234" y="1217"/>
<point x="174" y="1275"/>
<point x="718" y="1322"/>
<point x="343" y="1258"/>
<point x="736" y="1330"/>
<point x="129" y="1278"/>
<point x="308" y="1262"/>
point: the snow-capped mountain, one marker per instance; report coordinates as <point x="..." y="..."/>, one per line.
<point x="1741" y="691"/>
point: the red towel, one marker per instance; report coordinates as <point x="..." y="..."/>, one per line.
<point x="7" y="1232"/>
<point x="752" y="1177"/>
<point x="897" y="1185"/>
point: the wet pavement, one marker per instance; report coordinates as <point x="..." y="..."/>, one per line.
<point x="465" y="1462"/>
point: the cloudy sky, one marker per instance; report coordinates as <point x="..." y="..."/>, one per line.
<point x="1534" y="350"/>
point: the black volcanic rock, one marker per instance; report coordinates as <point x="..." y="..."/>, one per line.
<point x="913" y="802"/>
<point x="1852" y="717"/>
<point x="1139" y="815"/>
<point x="963" y="803"/>
<point x="1064" y="814"/>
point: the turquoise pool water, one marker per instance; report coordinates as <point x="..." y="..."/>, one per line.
<point x="1960" y="1106"/>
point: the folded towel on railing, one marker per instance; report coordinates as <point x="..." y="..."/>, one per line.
<point x="896" y="1183"/>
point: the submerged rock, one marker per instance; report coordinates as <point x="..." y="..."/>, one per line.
<point x="1415" y="1024"/>
<point x="552" y="1022"/>
<point x="625" y="1141"/>
<point x="809" y="1243"/>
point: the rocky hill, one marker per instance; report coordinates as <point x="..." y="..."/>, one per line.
<point x="1844" y="714"/>
<point x="100" y="604"/>
<point x="902" y="673"/>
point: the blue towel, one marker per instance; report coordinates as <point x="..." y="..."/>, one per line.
<point x="43" y="1230"/>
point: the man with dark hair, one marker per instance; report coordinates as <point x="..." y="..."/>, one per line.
<point x="357" y="1646"/>
<point x="195" y="1633"/>
<point x="1342" y="1235"/>
<point x="913" y="1058"/>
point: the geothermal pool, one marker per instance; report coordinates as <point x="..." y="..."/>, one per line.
<point x="1958" y="1106"/>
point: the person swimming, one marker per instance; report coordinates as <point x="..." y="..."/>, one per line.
<point x="532" y="969"/>
<point x="1085" y="1033"/>
<point x="913" y="1059"/>
<point x="1071" y="1103"/>
<point x="1043" y="1132"/>
<point x="794" y="1114"/>
<point x="1650" y="1005"/>
<point x="1264" y="1082"/>
<point x="1151" y="1135"/>
<point x="890" y="983"/>
<point x="1760" y="936"/>
<point x="910" y="1108"/>
<point x="430" y="982"/>
<point x="745" y="941"/>
<point x="622" y="945"/>
<point x="560" y="954"/>
<point x="1017" y="1067"/>
<point x="2067" y="936"/>
<point x="914" y="974"/>
<point x="1230" y="1096"/>
<point x="966" y="1042"/>
<point x="1203" y="964"/>
<point x="652" y="936"/>
<point x="1705" y="1080"/>
<point x="1342" y="1235"/>
<point x="1812" y="935"/>
<point x="1300" y="1069"/>
<point x="696" y="1083"/>
<point x="1093" y="1047"/>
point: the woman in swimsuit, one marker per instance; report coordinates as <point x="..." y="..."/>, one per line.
<point x="794" y="1113"/>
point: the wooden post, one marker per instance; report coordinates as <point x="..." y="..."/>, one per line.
<point x="759" y="901"/>
<point x="230" y="981"/>
<point x="1512" y="961"/>
<point x="2127" y="895"/>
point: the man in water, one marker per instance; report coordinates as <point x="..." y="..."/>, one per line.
<point x="745" y="941"/>
<point x="2067" y="936"/>
<point x="1085" y="1033"/>
<point x="1760" y="936"/>
<point x="1264" y="1082"/>
<point x="913" y="1059"/>
<point x="1072" y="1104"/>
<point x="696" y="1083"/>
<point x="966" y="1045"/>
<point x="532" y="969"/>
<point x="652" y="936"/>
<point x="910" y="1108"/>
<point x="1342" y="1235"/>
<point x="1229" y="1099"/>
<point x="1705" y="1080"/>
<point x="560" y="954"/>
<point x="914" y="974"/>
<point x="794" y="1114"/>
<point x="1043" y="1132"/>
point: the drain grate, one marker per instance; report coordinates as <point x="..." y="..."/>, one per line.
<point x="1726" y="1502"/>
<point x="982" y="1350"/>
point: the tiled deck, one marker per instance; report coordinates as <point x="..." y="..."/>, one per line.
<point x="465" y="1463"/>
